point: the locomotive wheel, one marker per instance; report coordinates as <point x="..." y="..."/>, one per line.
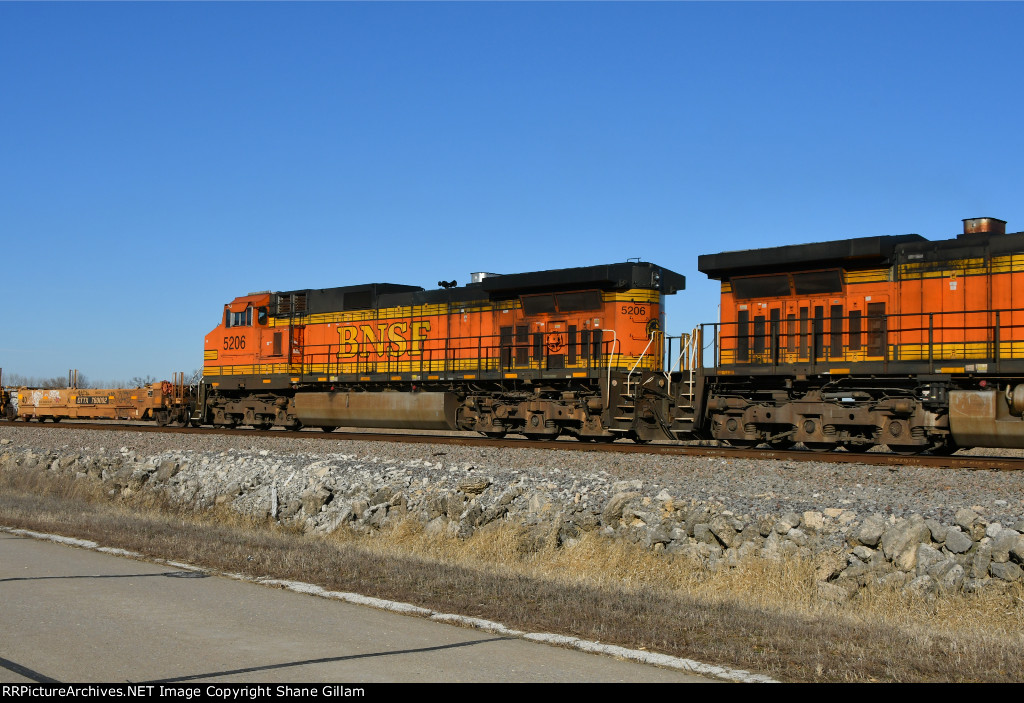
<point x="782" y="444"/>
<point x="947" y="449"/>
<point x="906" y="449"/>
<point x="497" y="434"/>
<point x="858" y="448"/>
<point x="740" y="443"/>
<point x="264" y="425"/>
<point x="328" y="428"/>
<point x="821" y="446"/>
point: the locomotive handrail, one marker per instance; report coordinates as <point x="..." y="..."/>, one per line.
<point x="925" y="337"/>
<point x="629" y="374"/>
<point x="611" y="358"/>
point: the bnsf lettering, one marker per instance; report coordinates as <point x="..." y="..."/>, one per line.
<point x="234" y="342"/>
<point x="382" y="339"/>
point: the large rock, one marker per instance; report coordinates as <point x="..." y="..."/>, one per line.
<point x="703" y="534"/>
<point x="981" y="558"/>
<point x="927" y="557"/>
<point x="870" y="531"/>
<point x="1017" y="550"/>
<point x="900" y="541"/>
<point x="313" y="500"/>
<point x="833" y="592"/>
<point x="723" y="530"/>
<point x="1007" y="571"/>
<point x="168" y="469"/>
<point x="797" y="536"/>
<point x="474" y="485"/>
<point x="948" y="574"/>
<point x="923" y="586"/>
<point x="613" y="509"/>
<point x="1003" y="541"/>
<point x="958" y="542"/>
<point x="937" y="529"/>
<point x="965" y="518"/>
<point x="786" y="523"/>
<point x="813" y="520"/>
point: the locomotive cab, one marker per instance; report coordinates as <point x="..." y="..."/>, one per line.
<point x="241" y="337"/>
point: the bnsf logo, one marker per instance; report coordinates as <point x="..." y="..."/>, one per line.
<point x="396" y="339"/>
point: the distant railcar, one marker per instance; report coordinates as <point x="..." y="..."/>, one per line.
<point x="8" y="409"/>
<point x="163" y="402"/>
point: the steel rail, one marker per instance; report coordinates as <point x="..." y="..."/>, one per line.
<point x="972" y="462"/>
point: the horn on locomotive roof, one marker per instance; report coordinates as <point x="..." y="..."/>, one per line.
<point x="984" y="225"/>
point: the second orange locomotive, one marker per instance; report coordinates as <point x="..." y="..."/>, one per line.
<point x="894" y="340"/>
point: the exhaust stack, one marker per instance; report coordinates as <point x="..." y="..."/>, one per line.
<point x="984" y="225"/>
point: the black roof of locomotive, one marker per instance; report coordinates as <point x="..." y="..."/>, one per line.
<point x="965" y="246"/>
<point x="858" y="253"/>
<point x="864" y="251"/>
<point x="638" y="274"/>
<point x="622" y="276"/>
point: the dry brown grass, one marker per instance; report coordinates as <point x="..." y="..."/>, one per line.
<point x="762" y="616"/>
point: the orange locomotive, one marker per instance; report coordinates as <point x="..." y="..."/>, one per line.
<point x="893" y="340"/>
<point x="540" y="353"/>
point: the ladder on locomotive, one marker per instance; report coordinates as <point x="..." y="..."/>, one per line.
<point x="684" y="411"/>
<point x="690" y="351"/>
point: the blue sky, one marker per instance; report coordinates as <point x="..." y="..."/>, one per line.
<point x="158" y="159"/>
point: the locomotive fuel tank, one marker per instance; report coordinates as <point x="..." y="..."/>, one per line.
<point x="987" y="418"/>
<point x="399" y="410"/>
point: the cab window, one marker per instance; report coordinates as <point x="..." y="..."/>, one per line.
<point x="238" y="319"/>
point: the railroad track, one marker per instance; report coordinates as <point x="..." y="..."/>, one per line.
<point x="974" y="462"/>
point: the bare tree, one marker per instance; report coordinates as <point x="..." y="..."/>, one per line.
<point x="22" y="381"/>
